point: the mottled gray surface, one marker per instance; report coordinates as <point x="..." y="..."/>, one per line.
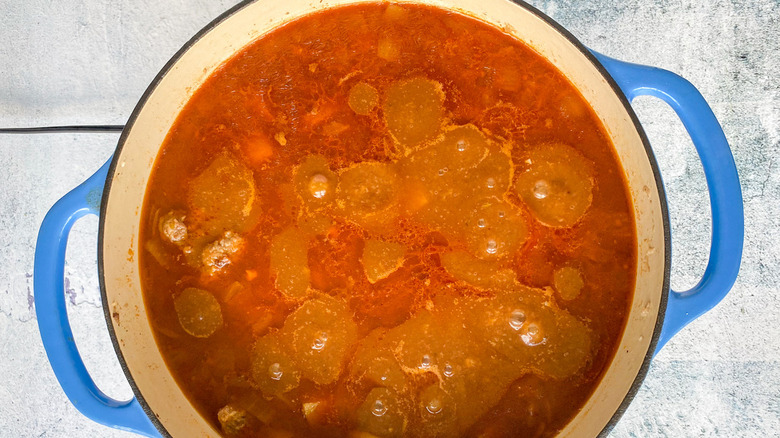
<point x="88" y="62"/>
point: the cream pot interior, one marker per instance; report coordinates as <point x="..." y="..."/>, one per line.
<point x="152" y="119"/>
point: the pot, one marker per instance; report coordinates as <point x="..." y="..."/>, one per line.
<point x="116" y="192"/>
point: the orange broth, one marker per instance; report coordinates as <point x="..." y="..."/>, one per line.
<point x="386" y="220"/>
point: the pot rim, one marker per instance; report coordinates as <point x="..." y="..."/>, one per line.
<point x="642" y="372"/>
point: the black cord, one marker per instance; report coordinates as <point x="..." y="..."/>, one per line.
<point x="71" y="128"/>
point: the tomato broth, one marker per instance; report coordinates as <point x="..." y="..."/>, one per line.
<point x="387" y="220"/>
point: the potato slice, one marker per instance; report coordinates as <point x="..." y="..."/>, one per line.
<point x="160" y="255"/>
<point x="472" y="373"/>
<point x="381" y="414"/>
<point x="273" y="369"/>
<point x="433" y="342"/>
<point x="388" y="48"/>
<point x="368" y="194"/>
<point x="380" y="259"/>
<point x="360" y="434"/>
<point x="556" y="184"/>
<point x="290" y="262"/>
<point x="414" y="110"/>
<point x="534" y="403"/>
<point x="316" y="224"/>
<point x="395" y="12"/>
<point x="314" y="182"/>
<point x="494" y="229"/>
<point x="492" y="176"/>
<point x="374" y="362"/>
<point x="568" y="281"/>
<point x="478" y="384"/>
<point x="480" y="273"/>
<point x="437" y="412"/>
<point x="435" y="182"/>
<point x="198" y="311"/>
<point x="433" y="203"/>
<point x="448" y="159"/>
<point x="462" y="148"/>
<point x="529" y="330"/>
<point x="415" y="344"/>
<point x="223" y="195"/>
<point x="442" y="182"/>
<point x="476" y="348"/>
<point x="367" y="187"/>
<point x="320" y="333"/>
<point x="438" y="343"/>
<point x="363" y="98"/>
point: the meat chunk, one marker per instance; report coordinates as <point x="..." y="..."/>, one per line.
<point x="216" y="255"/>
<point x="232" y="419"/>
<point x="172" y="228"/>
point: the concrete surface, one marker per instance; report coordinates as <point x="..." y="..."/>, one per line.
<point x="88" y="62"/>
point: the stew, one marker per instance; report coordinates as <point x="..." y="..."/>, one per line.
<point x="387" y="220"/>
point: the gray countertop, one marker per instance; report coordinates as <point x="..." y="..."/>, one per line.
<point x="78" y="62"/>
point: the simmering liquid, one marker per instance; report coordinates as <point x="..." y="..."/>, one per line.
<point x="387" y="220"/>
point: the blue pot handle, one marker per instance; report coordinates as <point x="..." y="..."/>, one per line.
<point x="728" y="223"/>
<point x="49" y="291"/>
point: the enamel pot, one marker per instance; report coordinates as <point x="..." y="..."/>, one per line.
<point x="116" y="194"/>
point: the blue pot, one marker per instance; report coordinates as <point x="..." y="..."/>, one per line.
<point x="115" y="193"/>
